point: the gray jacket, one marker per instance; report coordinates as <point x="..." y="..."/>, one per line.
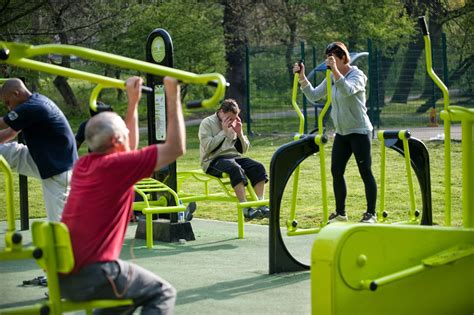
<point x="213" y="142"/>
<point x="348" y="113"/>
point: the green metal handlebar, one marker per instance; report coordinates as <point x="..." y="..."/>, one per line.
<point x="295" y="105"/>
<point x="20" y="55"/>
<point x="447" y="122"/>
<point x="327" y="104"/>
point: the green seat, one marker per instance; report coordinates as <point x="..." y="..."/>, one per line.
<point x="226" y="193"/>
<point x="146" y="188"/>
<point x="54" y="254"/>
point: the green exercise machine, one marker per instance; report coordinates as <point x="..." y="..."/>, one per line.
<point x="51" y="244"/>
<point x="320" y="140"/>
<point x="21" y="55"/>
<point x="380" y="269"/>
<point x="286" y="162"/>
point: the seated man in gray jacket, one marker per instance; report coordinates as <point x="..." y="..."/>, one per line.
<point x="222" y="145"/>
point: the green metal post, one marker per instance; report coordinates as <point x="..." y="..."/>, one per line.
<point x="319" y="141"/>
<point x="377" y="80"/>
<point x="7" y="173"/>
<point x="445" y="60"/>
<point x="297" y="170"/>
<point x="468" y="172"/>
<point x="447" y="124"/>
<point x="411" y="192"/>
<point x="382" y="176"/>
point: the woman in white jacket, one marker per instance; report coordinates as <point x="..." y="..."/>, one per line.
<point x="353" y="127"/>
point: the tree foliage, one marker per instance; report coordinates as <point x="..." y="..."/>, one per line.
<point x="210" y="36"/>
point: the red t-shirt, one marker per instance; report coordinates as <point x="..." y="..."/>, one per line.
<point x="98" y="208"/>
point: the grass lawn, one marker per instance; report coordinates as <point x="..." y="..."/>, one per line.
<point x="309" y="205"/>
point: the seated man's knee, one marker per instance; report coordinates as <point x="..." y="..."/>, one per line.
<point x="237" y="176"/>
<point x="259" y="168"/>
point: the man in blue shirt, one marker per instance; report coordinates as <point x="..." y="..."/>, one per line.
<point x="50" y="149"/>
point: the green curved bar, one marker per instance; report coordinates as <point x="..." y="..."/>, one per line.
<point x="447" y="131"/>
<point x="20" y="55"/>
<point x="94" y="95"/>
<point x="322" y="155"/>
<point x="5" y="168"/>
<point x="295" y="105"/>
<point x="296" y="176"/>
<point x="327" y="104"/>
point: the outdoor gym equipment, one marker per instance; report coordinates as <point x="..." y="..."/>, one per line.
<point x="13" y="239"/>
<point x="402" y="142"/>
<point x="285" y="161"/>
<point x="52" y="251"/>
<point x="224" y="193"/>
<point x="21" y="55"/>
<point x="320" y="140"/>
<point x="145" y="189"/>
<point x="402" y="268"/>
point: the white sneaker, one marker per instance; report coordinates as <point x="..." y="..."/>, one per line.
<point x="336" y="217"/>
<point x="369" y="218"/>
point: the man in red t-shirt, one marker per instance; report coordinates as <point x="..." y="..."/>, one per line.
<point x="100" y="202"/>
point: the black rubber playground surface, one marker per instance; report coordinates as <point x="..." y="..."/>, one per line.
<point x="215" y="274"/>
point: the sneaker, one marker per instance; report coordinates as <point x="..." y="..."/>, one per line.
<point x="41" y="281"/>
<point x="336" y="217"/>
<point x="265" y="211"/>
<point x="251" y="213"/>
<point x="188" y="214"/>
<point x="369" y="218"/>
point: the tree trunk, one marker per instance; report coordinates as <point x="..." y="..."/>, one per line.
<point x="407" y="74"/>
<point x="120" y="94"/>
<point x="385" y="67"/>
<point x="290" y="44"/>
<point x="61" y="83"/>
<point x="414" y="8"/>
<point x="65" y="89"/>
<point x="235" y="40"/>
<point x="455" y="75"/>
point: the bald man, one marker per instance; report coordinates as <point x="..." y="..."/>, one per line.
<point x="102" y="188"/>
<point x="50" y="149"/>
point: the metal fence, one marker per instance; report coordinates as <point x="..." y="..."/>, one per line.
<point x="399" y="93"/>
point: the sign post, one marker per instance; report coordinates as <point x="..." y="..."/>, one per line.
<point x="159" y="50"/>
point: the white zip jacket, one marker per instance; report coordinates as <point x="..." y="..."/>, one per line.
<point x="214" y="142"/>
<point x="349" y="112"/>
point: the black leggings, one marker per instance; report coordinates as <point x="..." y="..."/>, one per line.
<point x="343" y="147"/>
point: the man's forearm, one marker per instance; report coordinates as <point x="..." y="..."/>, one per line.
<point x="7" y="135"/>
<point x="131" y="120"/>
<point x="177" y="134"/>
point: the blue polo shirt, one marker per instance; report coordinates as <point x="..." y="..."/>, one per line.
<point x="47" y="134"/>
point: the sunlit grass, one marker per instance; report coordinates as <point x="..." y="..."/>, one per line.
<point x="309" y="204"/>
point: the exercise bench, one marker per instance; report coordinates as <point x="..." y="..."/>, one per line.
<point x="226" y="193"/>
<point x="150" y="189"/>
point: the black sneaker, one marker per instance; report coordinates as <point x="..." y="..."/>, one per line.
<point x="265" y="211"/>
<point x="369" y="218"/>
<point x="251" y="213"/>
<point x="188" y="214"/>
<point x="41" y="281"/>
